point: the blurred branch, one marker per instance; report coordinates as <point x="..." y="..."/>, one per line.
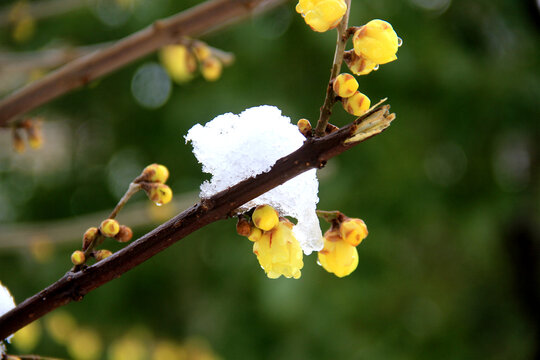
<point x="199" y="20"/>
<point x="313" y="154"/>
<point x="69" y="230"/>
<point x="43" y="9"/>
<point x="330" y="99"/>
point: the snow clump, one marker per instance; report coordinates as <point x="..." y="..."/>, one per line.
<point x="6" y="303"/>
<point x="233" y="148"/>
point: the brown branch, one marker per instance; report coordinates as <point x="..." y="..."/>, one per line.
<point x="314" y="153"/>
<point x="196" y="21"/>
<point x="330" y="99"/>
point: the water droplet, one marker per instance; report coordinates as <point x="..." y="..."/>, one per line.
<point x="158" y="204"/>
<point x="319" y="263"/>
<point x="399" y="41"/>
<point x="376" y="67"/>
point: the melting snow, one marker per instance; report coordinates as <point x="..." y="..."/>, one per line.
<point x="235" y="147"/>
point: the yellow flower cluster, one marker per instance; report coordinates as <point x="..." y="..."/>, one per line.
<point x="153" y="180"/>
<point x="277" y="250"/>
<point x="322" y="15"/>
<point x="339" y="255"/>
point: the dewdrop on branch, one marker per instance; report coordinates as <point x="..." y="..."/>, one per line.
<point x="233" y="148"/>
<point x="322" y="15"/>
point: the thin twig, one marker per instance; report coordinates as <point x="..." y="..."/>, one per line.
<point x="43" y="9"/>
<point x="330" y="99"/>
<point x="195" y="21"/>
<point x="132" y="190"/>
<point x="314" y="153"/>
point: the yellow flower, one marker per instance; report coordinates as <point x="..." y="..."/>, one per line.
<point x="279" y="253"/>
<point x="109" y="227"/>
<point x="322" y="15"/>
<point x="376" y="41"/>
<point x="211" y="68"/>
<point x="359" y="65"/>
<point x="338" y="256"/>
<point x="156" y="173"/>
<point x="353" y="231"/>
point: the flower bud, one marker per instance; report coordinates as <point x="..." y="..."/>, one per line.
<point x="124" y="234"/>
<point x="156" y="173"/>
<point x="102" y="254"/>
<point x="243" y="227"/>
<point x="33" y="131"/>
<point x="109" y="227"/>
<point x="338" y="257"/>
<point x="254" y="234"/>
<point x="345" y="85"/>
<point x="78" y="258"/>
<point x="265" y="217"/>
<point x="211" y="68"/>
<point x="322" y="15"/>
<point x="376" y="41"/>
<point x="159" y="193"/>
<point x="359" y="65"/>
<point x="356" y="104"/>
<point x="89" y="236"/>
<point x="305" y="127"/>
<point x="353" y="231"/>
<point x="201" y="50"/>
<point x="179" y="62"/>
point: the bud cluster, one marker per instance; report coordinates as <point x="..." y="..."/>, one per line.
<point x="181" y="61"/>
<point x="32" y="128"/>
<point x="277" y="250"/>
<point x="339" y="255"/>
<point x="152" y="181"/>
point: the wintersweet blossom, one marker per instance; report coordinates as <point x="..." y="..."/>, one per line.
<point x="6" y="304"/>
<point x="233" y="148"/>
<point x="322" y="15"/>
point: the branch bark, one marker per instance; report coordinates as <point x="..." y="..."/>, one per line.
<point x="314" y="153"/>
<point x="196" y="21"/>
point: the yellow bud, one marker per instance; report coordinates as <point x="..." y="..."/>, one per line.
<point x="124" y="234"/>
<point x="159" y="193"/>
<point x="211" y="68"/>
<point x="179" y="62"/>
<point x="255" y="234"/>
<point x="338" y="257"/>
<point x="109" y="227"/>
<point x="322" y="15"/>
<point x="356" y="104"/>
<point x="304" y="126"/>
<point x="26" y="339"/>
<point x="345" y="85"/>
<point x="376" y="41"/>
<point x="78" y="258"/>
<point x="33" y="131"/>
<point x="156" y="173"/>
<point x="353" y="231"/>
<point x="24" y="29"/>
<point x="243" y="227"/>
<point x="89" y="236"/>
<point x="102" y="254"/>
<point x="265" y="217"/>
<point x="359" y="65"/>
<point x="201" y="50"/>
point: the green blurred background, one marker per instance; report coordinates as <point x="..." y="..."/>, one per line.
<point x="450" y="192"/>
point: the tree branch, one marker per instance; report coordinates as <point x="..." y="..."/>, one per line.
<point x="314" y="153"/>
<point x="196" y="21"/>
<point x="330" y="99"/>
